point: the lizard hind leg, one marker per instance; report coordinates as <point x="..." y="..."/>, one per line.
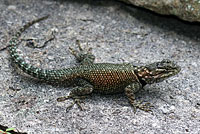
<point x="129" y="91"/>
<point x="83" y="89"/>
<point x="81" y="55"/>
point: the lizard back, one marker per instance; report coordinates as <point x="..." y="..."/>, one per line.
<point x="109" y="78"/>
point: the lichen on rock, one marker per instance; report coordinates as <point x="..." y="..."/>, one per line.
<point x="188" y="10"/>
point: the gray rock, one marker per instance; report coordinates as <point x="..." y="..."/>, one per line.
<point x="116" y="36"/>
<point x="185" y="9"/>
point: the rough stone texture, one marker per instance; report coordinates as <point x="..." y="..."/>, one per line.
<point x="116" y="35"/>
<point x="188" y="10"/>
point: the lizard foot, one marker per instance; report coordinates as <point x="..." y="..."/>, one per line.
<point x="142" y="106"/>
<point x="82" y="56"/>
<point x="76" y="100"/>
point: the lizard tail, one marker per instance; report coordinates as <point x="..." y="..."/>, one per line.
<point x="42" y="74"/>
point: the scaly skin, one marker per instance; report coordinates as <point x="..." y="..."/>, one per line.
<point x="104" y="78"/>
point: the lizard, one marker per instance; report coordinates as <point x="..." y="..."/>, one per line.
<point x="90" y="77"/>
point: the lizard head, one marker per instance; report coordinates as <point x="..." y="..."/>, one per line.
<point x="158" y="71"/>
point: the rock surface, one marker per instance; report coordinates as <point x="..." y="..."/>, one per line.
<point x="116" y="35"/>
<point x="188" y="10"/>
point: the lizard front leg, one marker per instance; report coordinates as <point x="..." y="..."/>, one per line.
<point x="81" y="55"/>
<point x="129" y="91"/>
<point x="83" y="89"/>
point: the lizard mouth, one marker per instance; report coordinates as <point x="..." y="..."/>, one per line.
<point x="165" y="73"/>
<point x="176" y="69"/>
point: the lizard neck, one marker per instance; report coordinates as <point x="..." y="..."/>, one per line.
<point x="141" y="80"/>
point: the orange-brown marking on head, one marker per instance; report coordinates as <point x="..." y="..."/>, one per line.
<point x="143" y="73"/>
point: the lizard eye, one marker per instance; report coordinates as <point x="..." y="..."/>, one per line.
<point x="165" y="64"/>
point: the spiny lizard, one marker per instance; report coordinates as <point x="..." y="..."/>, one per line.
<point x="104" y="78"/>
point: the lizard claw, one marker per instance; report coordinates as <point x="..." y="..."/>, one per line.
<point x="60" y="99"/>
<point x="80" y="50"/>
<point x="147" y="107"/>
<point x="82" y="56"/>
<point x="76" y="100"/>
